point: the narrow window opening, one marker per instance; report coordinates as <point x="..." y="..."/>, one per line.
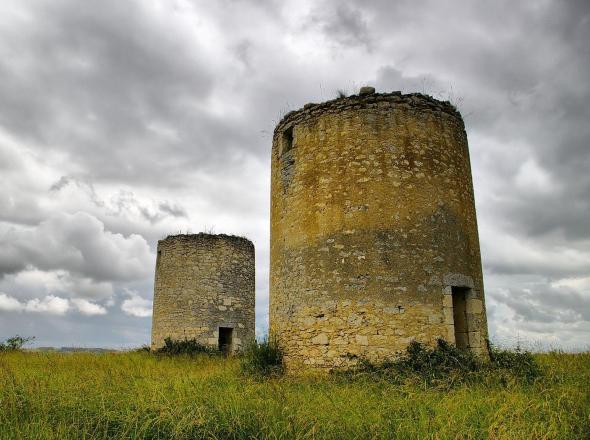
<point x="287" y="140"/>
<point x="225" y="339"/>
<point x="460" y="316"/>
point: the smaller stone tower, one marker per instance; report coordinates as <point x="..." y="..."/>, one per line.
<point x="204" y="289"/>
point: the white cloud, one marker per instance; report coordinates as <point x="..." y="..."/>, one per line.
<point x="506" y="253"/>
<point x="137" y="306"/>
<point x="9" y="303"/>
<point x="52" y="305"/>
<point x="80" y="244"/>
<point x="58" y="282"/>
<point x="532" y="177"/>
<point x="88" y="308"/>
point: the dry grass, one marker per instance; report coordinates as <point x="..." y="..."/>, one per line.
<point x="137" y="395"/>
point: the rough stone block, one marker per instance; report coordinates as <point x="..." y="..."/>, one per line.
<point x="367" y="90"/>
<point x="448" y="316"/>
<point x="447" y="301"/>
<point x="474" y="339"/>
<point x="435" y="318"/>
<point x="321" y="339"/>
<point x="362" y="340"/>
<point x="474" y="306"/>
<point x="450" y="333"/>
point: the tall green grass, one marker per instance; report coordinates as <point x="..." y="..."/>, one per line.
<point x="262" y="359"/>
<point x="138" y="395"/>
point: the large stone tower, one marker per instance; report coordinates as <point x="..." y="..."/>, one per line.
<point x="204" y="289"/>
<point x="373" y="231"/>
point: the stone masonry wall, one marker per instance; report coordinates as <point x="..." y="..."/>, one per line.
<point x="204" y="282"/>
<point x="372" y="224"/>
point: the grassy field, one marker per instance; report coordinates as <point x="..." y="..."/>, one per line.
<point x="138" y="395"/>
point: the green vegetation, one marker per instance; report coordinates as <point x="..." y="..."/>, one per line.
<point x="262" y="359"/>
<point x="139" y="395"/>
<point x="445" y="365"/>
<point x="15" y="343"/>
<point x="188" y="347"/>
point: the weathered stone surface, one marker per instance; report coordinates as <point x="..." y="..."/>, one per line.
<point x="447" y="301"/>
<point x="474" y="306"/>
<point x="367" y="90"/>
<point x="204" y="282"/>
<point x="321" y="339"/>
<point x="362" y="340"/>
<point x="372" y="224"/>
<point x="448" y="315"/>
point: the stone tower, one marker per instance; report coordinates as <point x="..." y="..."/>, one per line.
<point x="374" y="237"/>
<point x="204" y="289"/>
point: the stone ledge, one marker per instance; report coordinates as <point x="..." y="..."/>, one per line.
<point x="204" y="237"/>
<point x="417" y="101"/>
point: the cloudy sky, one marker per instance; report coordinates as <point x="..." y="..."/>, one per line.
<point x="124" y="121"/>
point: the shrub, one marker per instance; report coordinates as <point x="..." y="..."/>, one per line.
<point x="185" y="347"/>
<point x="441" y="361"/>
<point x="519" y="362"/>
<point x="445" y="361"/>
<point x="447" y="364"/>
<point x="15" y="343"/>
<point x="143" y="349"/>
<point x="262" y="359"/>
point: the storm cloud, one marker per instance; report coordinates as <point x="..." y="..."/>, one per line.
<point x="123" y="122"/>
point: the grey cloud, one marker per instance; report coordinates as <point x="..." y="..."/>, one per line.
<point x="78" y="330"/>
<point x="61" y="183"/>
<point x="173" y="209"/>
<point x="391" y="79"/>
<point x="126" y="201"/>
<point x="29" y="283"/>
<point x="343" y="24"/>
<point x="81" y="184"/>
<point x="512" y="255"/>
<point x="123" y="202"/>
<point x="18" y="202"/>
<point x="108" y="85"/>
<point x="539" y="316"/>
<point x="546" y="304"/>
<point x="517" y="88"/>
<point x="148" y="120"/>
<point x="11" y="261"/>
<point x="77" y="243"/>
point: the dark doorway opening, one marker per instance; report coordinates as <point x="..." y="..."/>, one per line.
<point x="225" y="339"/>
<point x="460" y="316"/>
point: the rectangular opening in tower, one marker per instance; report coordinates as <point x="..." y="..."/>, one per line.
<point x="225" y="339"/>
<point x="460" y="316"/>
<point x="287" y="140"/>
